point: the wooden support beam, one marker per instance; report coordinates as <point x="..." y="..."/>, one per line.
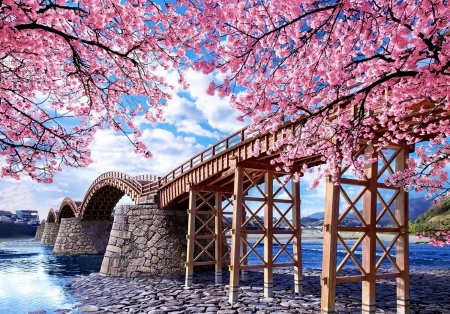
<point x="191" y="237"/>
<point x="236" y="234"/>
<point x="402" y="247"/>
<point x="218" y="230"/>
<point x="328" y="279"/>
<point x="265" y="166"/>
<point x="297" y="242"/>
<point x="211" y="188"/>
<point x="370" y="239"/>
<point x="243" y="248"/>
<point x="268" y="237"/>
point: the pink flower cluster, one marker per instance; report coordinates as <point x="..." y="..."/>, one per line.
<point x="351" y="71"/>
<point x="439" y="238"/>
<point x="68" y="69"/>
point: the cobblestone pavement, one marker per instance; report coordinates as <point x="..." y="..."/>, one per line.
<point x="430" y="293"/>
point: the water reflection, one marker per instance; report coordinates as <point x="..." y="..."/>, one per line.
<point x="31" y="278"/>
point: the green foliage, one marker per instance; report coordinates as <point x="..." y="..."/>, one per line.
<point x="436" y="218"/>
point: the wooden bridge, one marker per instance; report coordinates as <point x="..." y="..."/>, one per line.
<point x="226" y="187"/>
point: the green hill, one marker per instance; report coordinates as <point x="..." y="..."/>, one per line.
<point x="434" y="219"/>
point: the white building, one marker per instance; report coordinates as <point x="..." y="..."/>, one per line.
<point x="29" y="216"/>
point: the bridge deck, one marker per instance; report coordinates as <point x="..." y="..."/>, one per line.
<point x="222" y="175"/>
<point x="214" y="167"/>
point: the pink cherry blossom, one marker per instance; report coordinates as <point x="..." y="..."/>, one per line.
<point x="351" y="71"/>
<point x="68" y="69"/>
<point x="347" y="71"/>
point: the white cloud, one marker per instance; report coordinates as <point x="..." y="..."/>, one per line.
<point x="23" y="195"/>
<point x="192" y="113"/>
<point x="216" y="110"/>
<point x="195" y="104"/>
<point x="191" y="126"/>
<point x="110" y="152"/>
<point x="313" y="201"/>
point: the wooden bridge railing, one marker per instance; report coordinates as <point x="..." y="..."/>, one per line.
<point x="146" y="177"/>
<point x="207" y="154"/>
<point x="241" y="136"/>
<point x="134" y="184"/>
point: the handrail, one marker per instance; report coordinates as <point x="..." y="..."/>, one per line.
<point x="137" y="187"/>
<point x="69" y="201"/>
<point x="146" y="177"/>
<point x="134" y="184"/>
<point x="207" y="154"/>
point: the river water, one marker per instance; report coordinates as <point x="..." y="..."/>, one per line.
<point x="32" y="279"/>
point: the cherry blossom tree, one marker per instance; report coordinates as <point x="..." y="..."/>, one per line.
<point x="349" y="70"/>
<point x="365" y="64"/>
<point x="69" y="68"/>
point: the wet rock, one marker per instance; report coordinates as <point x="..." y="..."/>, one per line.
<point x="88" y="308"/>
<point x="155" y="295"/>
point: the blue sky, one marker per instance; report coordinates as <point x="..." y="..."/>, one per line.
<point x="194" y="120"/>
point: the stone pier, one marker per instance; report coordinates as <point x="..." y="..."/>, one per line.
<point x="50" y="233"/>
<point x="40" y="231"/>
<point x="146" y="241"/>
<point x="82" y="237"/>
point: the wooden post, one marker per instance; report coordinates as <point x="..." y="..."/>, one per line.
<point x="402" y="245"/>
<point x="219" y="239"/>
<point x="236" y="234"/>
<point x="191" y="237"/>
<point x="298" y="271"/>
<point x="268" y="237"/>
<point x="243" y="251"/>
<point x="370" y="240"/>
<point x="328" y="279"/>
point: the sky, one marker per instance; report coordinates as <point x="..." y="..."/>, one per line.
<point x="193" y="121"/>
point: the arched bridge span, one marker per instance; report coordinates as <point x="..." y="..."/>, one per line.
<point x="52" y="215"/>
<point x="68" y="209"/>
<point x="106" y="191"/>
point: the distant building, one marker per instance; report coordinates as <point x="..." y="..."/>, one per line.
<point x="6" y="213"/>
<point x="28" y="216"/>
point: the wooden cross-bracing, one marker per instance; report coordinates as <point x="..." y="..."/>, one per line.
<point x="252" y="201"/>
<point x="367" y="193"/>
<point x="208" y="224"/>
<point x="230" y="174"/>
<point x="256" y="194"/>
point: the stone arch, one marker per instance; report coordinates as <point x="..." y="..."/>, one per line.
<point x="68" y="209"/>
<point x="105" y="192"/>
<point x="52" y="216"/>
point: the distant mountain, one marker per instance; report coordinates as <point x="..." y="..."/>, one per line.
<point x="417" y="206"/>
<point x="319" y="215"/>
<point x="434" y="219"/>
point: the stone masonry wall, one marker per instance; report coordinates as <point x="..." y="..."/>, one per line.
<point x="146" y="241"/>
<point x="82" y="237"/>
<point x="40" y="231"/>
<point x="50" y="233"/>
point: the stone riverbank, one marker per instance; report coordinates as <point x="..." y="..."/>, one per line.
<point x="430" y="293"/>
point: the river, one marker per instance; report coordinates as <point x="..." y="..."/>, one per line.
<point x="32" y="278"/>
